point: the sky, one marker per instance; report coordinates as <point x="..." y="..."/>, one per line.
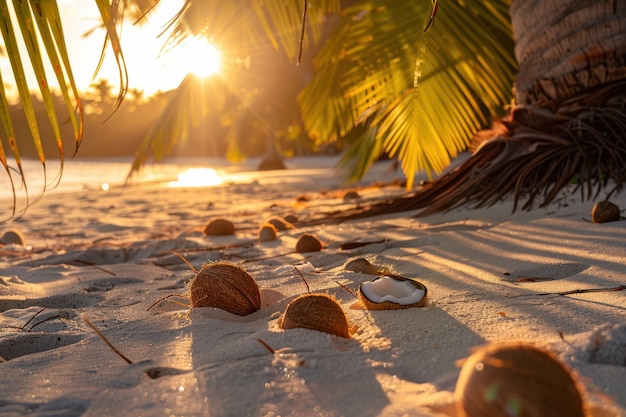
<point x="141" y="45"/>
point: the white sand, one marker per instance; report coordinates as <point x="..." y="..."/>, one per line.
<point x="107" y="256"/>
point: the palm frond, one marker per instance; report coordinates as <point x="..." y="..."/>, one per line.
<point x="430" y="91"/>
<point x="44" y="39"/>
<point x="537" y="154"/>
<point x="40" y="30"/>
<point x="192" y="100"/>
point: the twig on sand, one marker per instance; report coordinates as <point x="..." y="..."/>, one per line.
<point x="95" y="329"/>
<point x="581" y="291"/>
<point x="29" y="321"/>
<point x="32" y="318"/>
<point x="268" y="347"/>
<point x="80" y="261"/>
<point x="186" y="261"/>
<point x="578" y="291"/>
<point x="308" y="290"/>
<point x="43" y="321"/>
<point x="347" y="289"/>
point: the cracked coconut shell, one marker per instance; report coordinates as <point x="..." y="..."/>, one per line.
<point x="390" y="292"/>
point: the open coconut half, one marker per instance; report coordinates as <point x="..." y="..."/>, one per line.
<point x="392" y="293"/>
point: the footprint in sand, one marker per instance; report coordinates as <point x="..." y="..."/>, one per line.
<point x="54" y="301"/>
<point x="608" y="345"/>
<point x="26" y="343"/>
<point x="66" y="406"/>
<point x="49" y="330"/>
<point x="545" y="272"/>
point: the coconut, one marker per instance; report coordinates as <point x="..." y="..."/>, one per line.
<point x="605" y="211"/>
<point x="290" y="218"/>
<point x="361" y="265"/>
<point x="219" y="227"/>
<point x="392" y="293"/>
<point x="13" y="236"/>
<point x="226" y="286"/>
<point x="351" y="195"/>
<point x="267" y="233"/>
<point x="308" y="243"/>
<point x="280" y="224"/>
<point x="316" y="312"/>
<point x="515" y="379"/>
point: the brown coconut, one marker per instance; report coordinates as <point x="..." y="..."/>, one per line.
<point x="291" y="219"/>
<point x="219" y="227"/>
<point x="280" y="224"/>
<point x="308" y="243"/>
<point x="605" y="211"/>
<point x="516" y="379"/>
<point x="226" y="286"/>
<point x="351" y="195"/>
<point x="316" y="312"/>
<point x="267" y="233"/>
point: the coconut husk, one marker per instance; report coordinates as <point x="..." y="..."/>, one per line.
<point x="225" y="286"/>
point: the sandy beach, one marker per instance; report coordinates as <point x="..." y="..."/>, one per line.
<point x="550" y="278"/>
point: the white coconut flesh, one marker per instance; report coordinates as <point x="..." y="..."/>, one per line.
<point x="393" y="290"/>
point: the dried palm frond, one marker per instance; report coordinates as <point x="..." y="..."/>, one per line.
<point x="537" y="154"/>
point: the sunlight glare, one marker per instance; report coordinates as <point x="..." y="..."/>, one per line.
<point x="200" y="57"/>
<point x="197" y="177"/>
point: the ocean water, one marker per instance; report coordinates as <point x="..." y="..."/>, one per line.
<point x="106" y="174"/>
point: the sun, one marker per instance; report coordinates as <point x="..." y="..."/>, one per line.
<point x="199" y="57"/>
<point x="197" y="177"/>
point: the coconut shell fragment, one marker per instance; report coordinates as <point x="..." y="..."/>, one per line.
<point x="516" y="379"/>
<point x="308" y="243"/>
<point x="316" y="312"/>
<point x="280" y="224"/>
<point x="219" y="227"/>
<point x="268" y="233"/>
<point x="226" y="286"/>
<point x="13" y="236"/>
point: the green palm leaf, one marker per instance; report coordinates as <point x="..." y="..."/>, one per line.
<point x="429" y="92"/>
<point x="40" y="30"/>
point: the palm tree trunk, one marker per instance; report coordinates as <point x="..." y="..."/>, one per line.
<point x="567" y="48"/>
<point x="568" y="120"/>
